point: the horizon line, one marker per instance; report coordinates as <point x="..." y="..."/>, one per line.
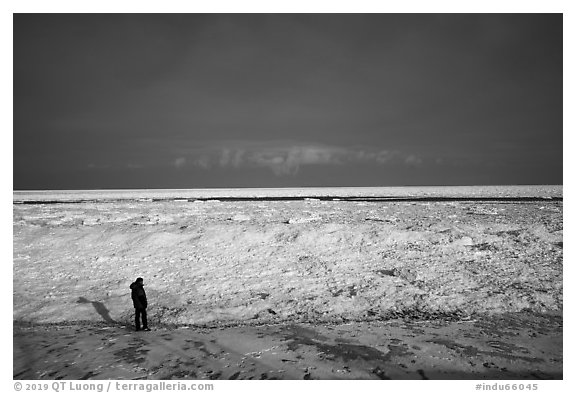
<point x="278" y="188"/>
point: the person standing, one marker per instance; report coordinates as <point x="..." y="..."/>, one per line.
<point x="140" y="303"/>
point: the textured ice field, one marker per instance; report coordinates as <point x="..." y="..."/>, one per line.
<point x="284" y="260"/>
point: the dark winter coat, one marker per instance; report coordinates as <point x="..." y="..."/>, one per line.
<point x="138" y="295"/>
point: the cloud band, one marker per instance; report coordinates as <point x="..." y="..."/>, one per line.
<point x="289" y="159"/>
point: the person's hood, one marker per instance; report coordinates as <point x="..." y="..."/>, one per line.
<point x="135" y="285"/>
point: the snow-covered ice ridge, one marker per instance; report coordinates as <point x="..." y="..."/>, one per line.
<point x="354" y="193"/>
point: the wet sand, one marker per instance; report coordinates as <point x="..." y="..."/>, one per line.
<point x="512" y="346"/>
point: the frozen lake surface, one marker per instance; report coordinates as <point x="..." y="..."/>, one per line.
<point x="437" y="192"/>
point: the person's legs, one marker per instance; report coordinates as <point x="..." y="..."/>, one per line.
<point x="138" y="319"/>
<point x="144" y="319"/>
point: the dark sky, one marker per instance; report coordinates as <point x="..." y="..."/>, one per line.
<point x="286" y="100"/>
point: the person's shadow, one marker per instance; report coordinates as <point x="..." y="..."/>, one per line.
<point x="100" y="309"/>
